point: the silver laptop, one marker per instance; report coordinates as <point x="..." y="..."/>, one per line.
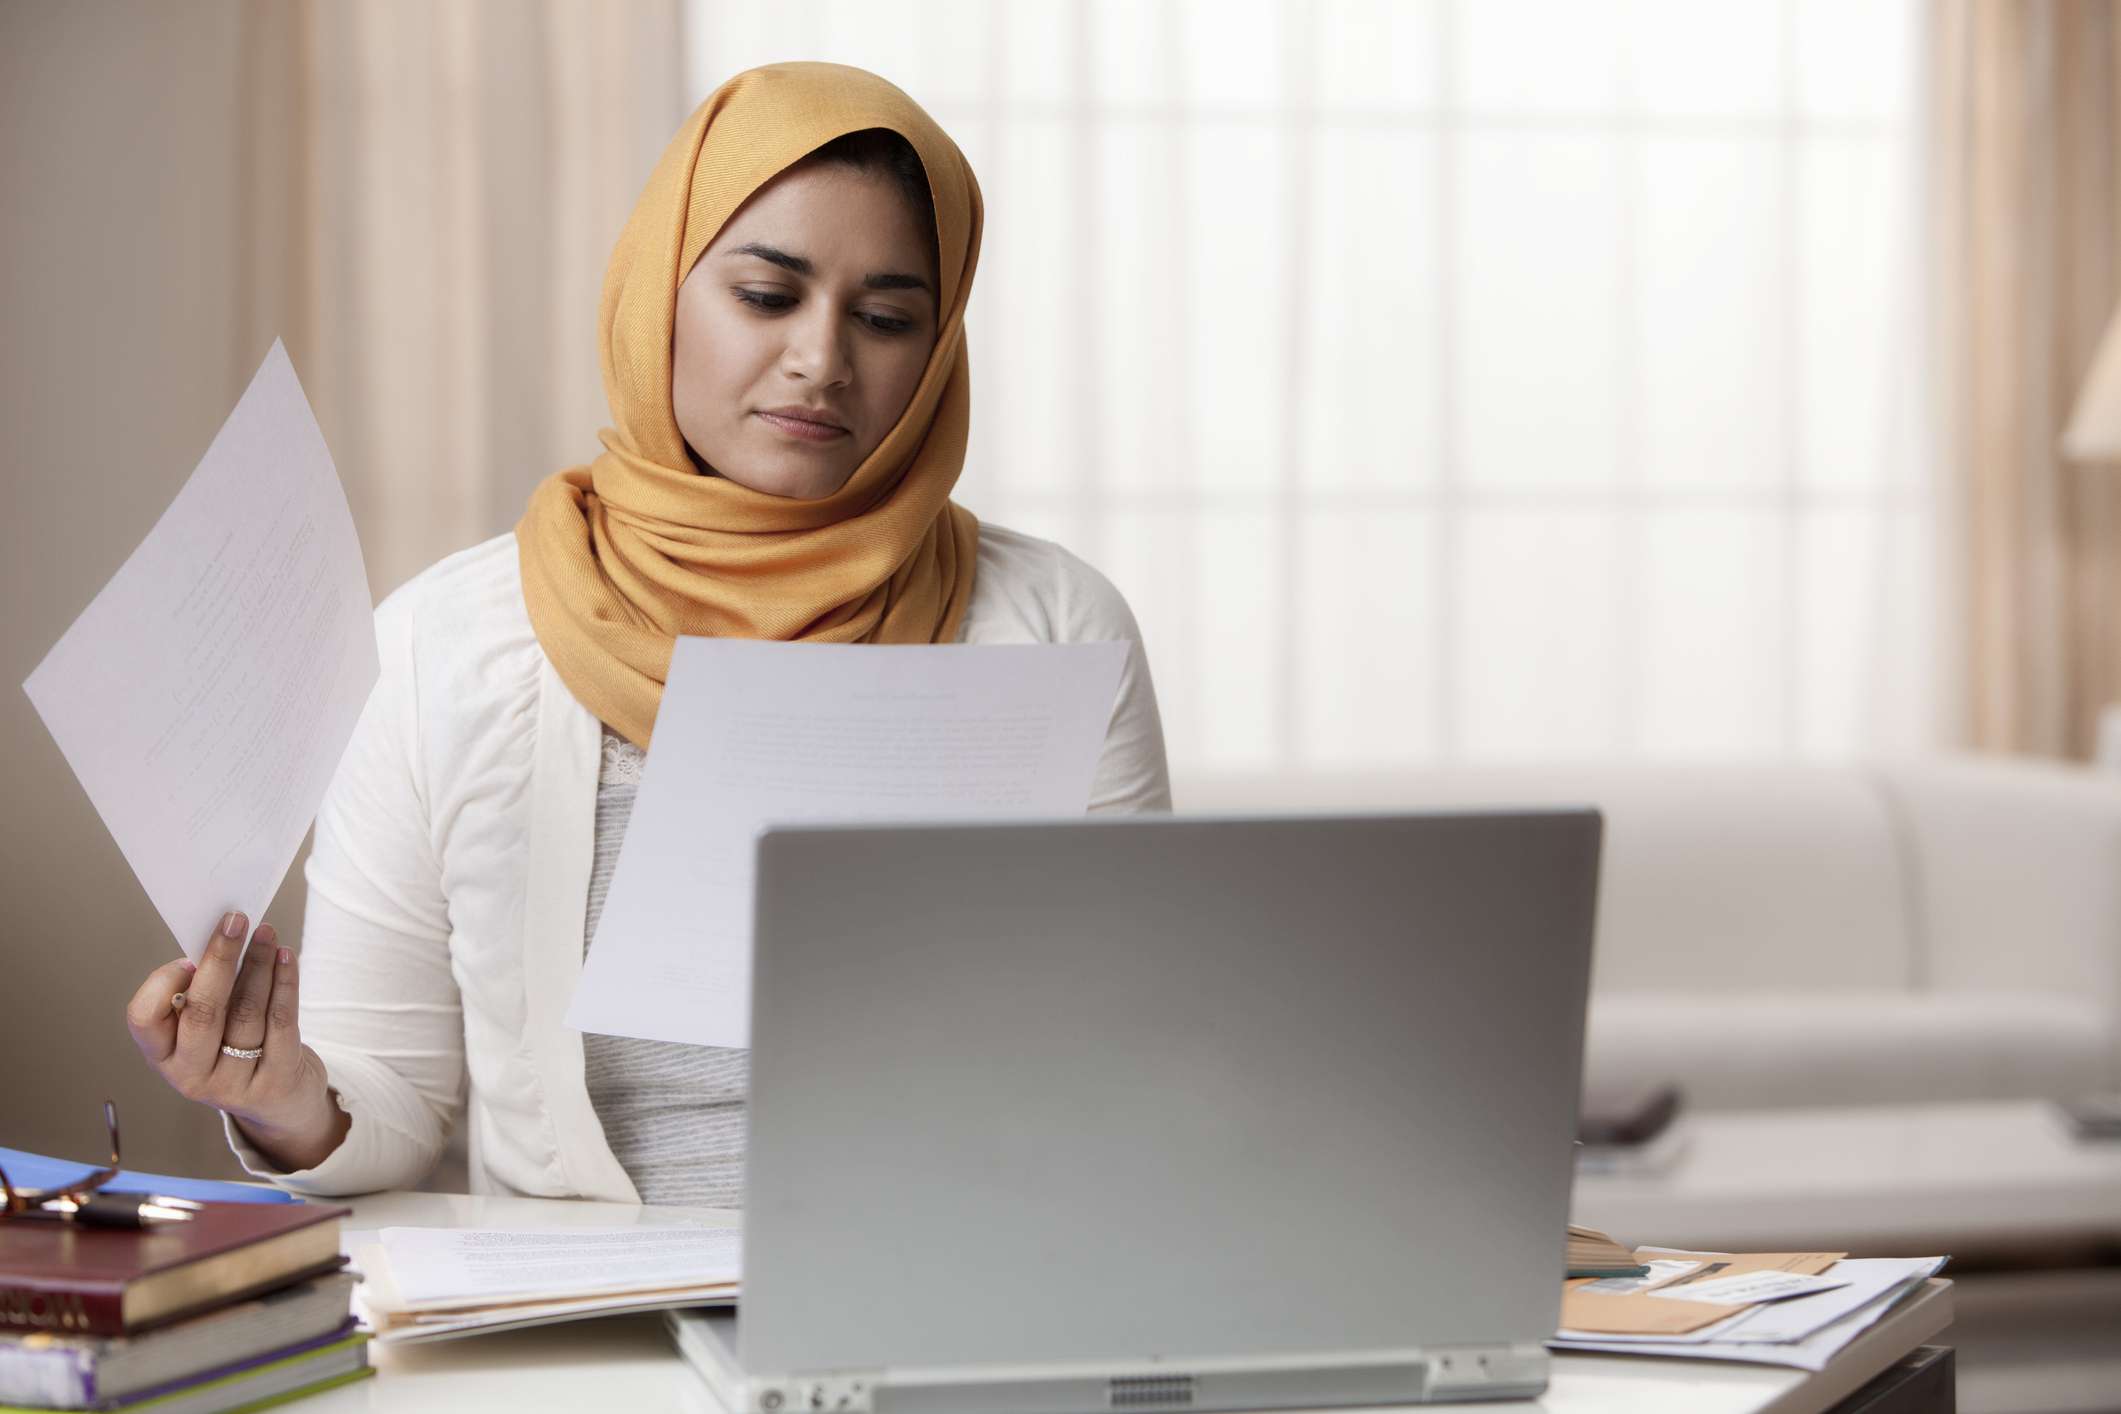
<point x="1158" y="1113"/>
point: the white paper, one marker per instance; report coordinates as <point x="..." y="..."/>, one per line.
<point x="1870" y="1279"/>
<point x="205" y="695"/>
<point x="752" y="734"/>
<point x="438" y="1265"/>
<point x="1747" y="1288"/>
<point x="430" y="1326"/>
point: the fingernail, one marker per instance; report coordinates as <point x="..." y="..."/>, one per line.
<point x="287" y="957"/>
<point x="267" y="934"/>
<point x="232" y="926"/>
<point x="187" y="964"/>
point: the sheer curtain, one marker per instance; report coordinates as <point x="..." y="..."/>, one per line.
<point x="1450" y="381"/>
<point x="441" y="207"/>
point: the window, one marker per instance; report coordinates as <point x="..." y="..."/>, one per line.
<point x="1442" y="382"/>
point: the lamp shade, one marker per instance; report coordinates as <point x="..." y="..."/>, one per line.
<point x="2094" y="432"/>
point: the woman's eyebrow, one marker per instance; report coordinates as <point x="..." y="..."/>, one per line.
<point x="802" y="266"/>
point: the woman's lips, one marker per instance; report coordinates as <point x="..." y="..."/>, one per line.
<point x="801" y="430"/>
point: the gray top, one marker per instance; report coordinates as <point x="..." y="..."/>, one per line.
<point x="673" y="1114"/>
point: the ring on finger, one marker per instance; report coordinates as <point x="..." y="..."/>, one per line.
<point x="243" y="1053"/>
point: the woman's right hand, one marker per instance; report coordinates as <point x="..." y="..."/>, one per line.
<point x="282" y="1099"/>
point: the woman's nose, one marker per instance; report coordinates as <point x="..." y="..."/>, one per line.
<point x="818" y="348"/>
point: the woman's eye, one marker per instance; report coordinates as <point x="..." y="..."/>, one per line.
<point x="776" y="303"/>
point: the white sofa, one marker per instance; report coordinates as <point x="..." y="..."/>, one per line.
<point x="1788" y="936"/>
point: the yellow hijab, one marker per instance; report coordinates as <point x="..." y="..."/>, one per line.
<point x="623" y="555"/>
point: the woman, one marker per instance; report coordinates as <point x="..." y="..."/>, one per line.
<point x="783" y="351"/>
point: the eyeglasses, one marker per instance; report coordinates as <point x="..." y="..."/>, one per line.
<point x="84" y="1201"/>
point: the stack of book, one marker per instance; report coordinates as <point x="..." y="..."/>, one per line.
<point x="239" y="1306"/>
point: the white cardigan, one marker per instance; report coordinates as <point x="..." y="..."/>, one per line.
<point x="451" y="869"/>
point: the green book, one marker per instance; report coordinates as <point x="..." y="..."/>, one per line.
<point x="253" y="1384"/>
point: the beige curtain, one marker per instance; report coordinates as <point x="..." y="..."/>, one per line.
<point x="2027" y="127"/>
<point x="437" y="188"/>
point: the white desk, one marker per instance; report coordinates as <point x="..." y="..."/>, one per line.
<point x="625" y="1362"/>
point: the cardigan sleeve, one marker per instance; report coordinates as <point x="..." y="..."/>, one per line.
<point x="379" y="1003"/>
<point x="1132" y="775"/>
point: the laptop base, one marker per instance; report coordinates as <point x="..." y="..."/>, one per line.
<point x="707" y="1340"/>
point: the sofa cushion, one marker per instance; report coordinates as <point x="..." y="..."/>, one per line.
<point x="1730" y="879"/>
<point x="1765" y="1051"/>
<point x="2017" y="873"/>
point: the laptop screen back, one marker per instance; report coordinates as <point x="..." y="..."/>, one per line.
<point x="1162" y="1087"/>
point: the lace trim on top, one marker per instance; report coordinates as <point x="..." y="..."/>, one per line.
<point x="621" y="761"/>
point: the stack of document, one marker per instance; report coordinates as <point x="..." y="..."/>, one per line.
<point x="1775" y="1308"/>
<point x="433" y="1283"/>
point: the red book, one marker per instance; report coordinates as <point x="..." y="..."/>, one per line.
<point x="83" y="1280"/>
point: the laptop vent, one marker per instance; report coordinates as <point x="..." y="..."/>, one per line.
<point x="1150" y="1392"/>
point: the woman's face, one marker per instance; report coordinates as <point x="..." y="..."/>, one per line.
<point x="817" y="298"/>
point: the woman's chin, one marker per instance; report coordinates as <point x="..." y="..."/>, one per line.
<point x="811" y="481"/>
